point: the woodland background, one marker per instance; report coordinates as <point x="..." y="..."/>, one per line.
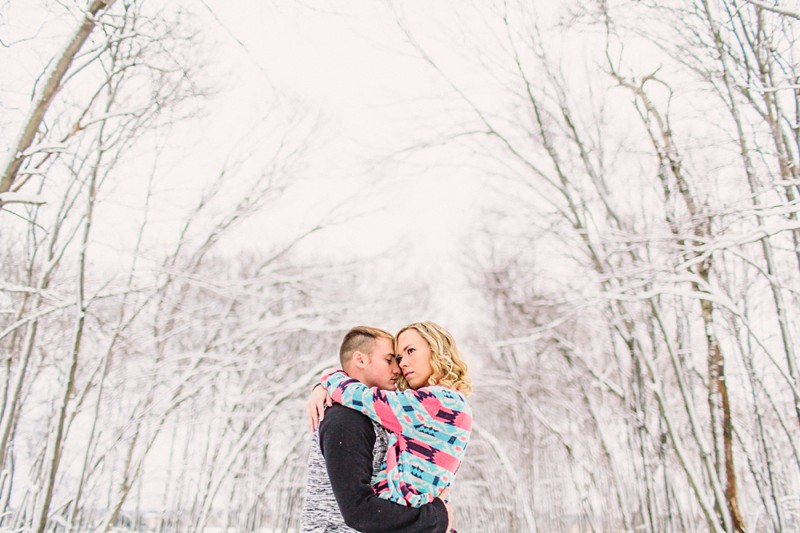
<point x="598" y="198"/>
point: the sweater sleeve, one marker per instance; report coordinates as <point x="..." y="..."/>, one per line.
<point x="397" y="411"/>
<point x="347" y="439"/>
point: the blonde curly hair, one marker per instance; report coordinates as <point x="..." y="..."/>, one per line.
<point x="449" y="370"/>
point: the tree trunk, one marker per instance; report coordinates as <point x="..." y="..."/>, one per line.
<point x="31" y="127"/>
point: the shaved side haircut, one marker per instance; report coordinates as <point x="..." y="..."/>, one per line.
<point x="360" y="339"/>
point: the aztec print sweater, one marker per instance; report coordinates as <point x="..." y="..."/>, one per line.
<point x="429" y="430"/>
<point x="346" y="451"/>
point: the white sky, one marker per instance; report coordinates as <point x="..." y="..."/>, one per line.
<point x="353" y="67"/>
<point x="376" y="95"/>
<point x="349" y="65"/>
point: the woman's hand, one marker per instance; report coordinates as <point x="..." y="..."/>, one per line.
<point x="328" y="372"/>
<point x="316" y="405"/>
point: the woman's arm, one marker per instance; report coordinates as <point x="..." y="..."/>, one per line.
<point x="315" y="407"/>
<point x="398" y="411"/>
<point x="371" y="401"/>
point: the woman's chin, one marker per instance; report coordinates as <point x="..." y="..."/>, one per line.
<point x="417" y="383"/>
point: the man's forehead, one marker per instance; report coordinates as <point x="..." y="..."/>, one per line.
<point x="384" y="345"/>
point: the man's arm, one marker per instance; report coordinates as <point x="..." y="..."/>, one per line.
<point x="347" y="439"/>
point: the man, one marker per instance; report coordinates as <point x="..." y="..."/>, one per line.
<point x="347" y="448"/>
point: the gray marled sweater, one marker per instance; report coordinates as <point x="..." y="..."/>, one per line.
<point x="320" y="510"/>
<point x="343" y="460"/>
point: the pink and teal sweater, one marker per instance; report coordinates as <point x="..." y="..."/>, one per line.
<point x="429" y="430"/>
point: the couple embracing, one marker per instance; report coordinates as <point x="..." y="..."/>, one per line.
<point x="390" y="431"/>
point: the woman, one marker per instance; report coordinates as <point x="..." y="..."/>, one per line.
<point x="428" y="419"/>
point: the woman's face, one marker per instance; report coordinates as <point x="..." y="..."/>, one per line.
<point x="415" y="358"/>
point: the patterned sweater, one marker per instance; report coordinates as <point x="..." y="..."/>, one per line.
<point x="429" y="430"/>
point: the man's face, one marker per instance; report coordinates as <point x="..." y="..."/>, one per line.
<point x="381" y="370"/>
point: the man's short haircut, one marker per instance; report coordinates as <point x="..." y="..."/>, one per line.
<point x="360" y="339"/>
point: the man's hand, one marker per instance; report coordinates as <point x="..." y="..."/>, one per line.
<point x="449" y="515"/>
<point x="316" y="406"/>
<point x="443" y="496"/>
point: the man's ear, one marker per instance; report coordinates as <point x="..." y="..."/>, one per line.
<point x="359" y="359"/>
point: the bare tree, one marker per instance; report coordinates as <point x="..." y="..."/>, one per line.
<point x="107" y="359"/>
<point x="10" y="180"/>
<point x="634" y="250"/>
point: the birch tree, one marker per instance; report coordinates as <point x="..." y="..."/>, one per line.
<point x="108" y="358"/>
<point x="636" y="264"/>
